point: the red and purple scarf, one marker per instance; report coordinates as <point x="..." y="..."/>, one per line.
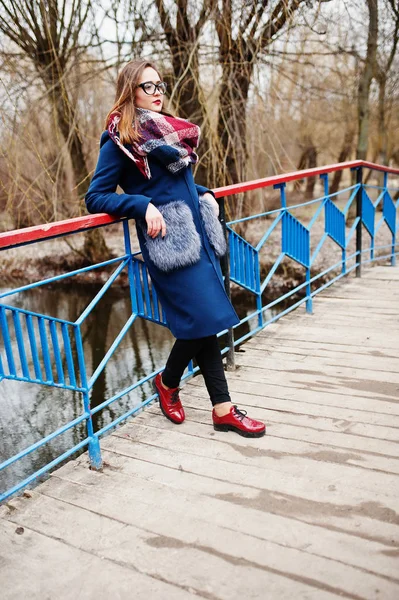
<point x="169" y="139"/>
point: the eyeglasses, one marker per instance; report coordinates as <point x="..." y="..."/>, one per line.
<point x="149" y="87"/>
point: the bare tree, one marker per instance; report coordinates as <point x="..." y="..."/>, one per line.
<point x="48" y="32"/>
<point x="244" y="32"/>
<point x="365" y="79"/>
<point x="382" y="74"/>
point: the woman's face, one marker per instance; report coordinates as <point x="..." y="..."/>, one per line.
<point x="150" y="102"/>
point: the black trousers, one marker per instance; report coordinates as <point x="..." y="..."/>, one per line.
<point x="206" y="351"/>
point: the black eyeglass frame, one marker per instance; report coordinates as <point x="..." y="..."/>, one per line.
<point x="157" y="86"/>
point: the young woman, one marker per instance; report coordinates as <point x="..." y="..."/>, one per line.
<point x="149" y="154"/>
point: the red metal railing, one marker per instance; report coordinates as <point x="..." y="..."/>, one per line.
<point x="18" y="237"/>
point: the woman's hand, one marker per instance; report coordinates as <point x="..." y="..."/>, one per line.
<point x="207" y="196"/>
<point x="155" y="221"/>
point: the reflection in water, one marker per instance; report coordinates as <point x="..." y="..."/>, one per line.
<point x="29" y="412"/>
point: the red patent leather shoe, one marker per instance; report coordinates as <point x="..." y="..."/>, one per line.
<point x="237" y="420"/>
<point x="169" y="401"/>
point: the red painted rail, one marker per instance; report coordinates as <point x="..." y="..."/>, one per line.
<point x="18" y="237"/>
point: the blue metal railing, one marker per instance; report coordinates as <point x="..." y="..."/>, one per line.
<point x="46" y="350"/>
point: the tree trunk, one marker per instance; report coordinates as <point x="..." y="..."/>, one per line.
<point x="191" y="104"/>
<point x="232" y="125"/>
<point x="382" y="124"/>
<point x="343" y="155"/>
<point x="95" y="247"/>
<point x="366" y="77"/>
<point x="308" y="160"/>
<point x="312" y="163"/>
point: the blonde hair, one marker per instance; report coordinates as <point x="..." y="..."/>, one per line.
<point x="127" y="82"/>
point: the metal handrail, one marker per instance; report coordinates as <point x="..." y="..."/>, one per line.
<point x="26" y="333"/>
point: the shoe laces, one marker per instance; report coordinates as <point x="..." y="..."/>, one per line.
<point x="240" y="413"/>
<point x="175" y="396"/>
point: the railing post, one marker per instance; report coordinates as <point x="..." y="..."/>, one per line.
<point x="225" y="264"/>
<point x="130" y="271"/>
<point x="94" y="444"/>
<point x="359" y="195"/>
<point x="393" y="256"/>
<point x="283" y="199"/>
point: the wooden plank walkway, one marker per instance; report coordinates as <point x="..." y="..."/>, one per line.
<point x="310" y="511"/>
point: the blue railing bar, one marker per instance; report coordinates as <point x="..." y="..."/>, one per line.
<point x="33" y="347"/>
<point x="257" y="271"/>
<point x="126" y="237"/>
<point x="380" y="187"/>
<point x="241" y="261"/>
<point x="271" y="272"/>
<point x="138" y="287"/>
<point x="351" y="198"/>
<point x="380" y="197"/>
<point x="147" y="293"/>
<point x="378" y="248"/>
<point x="128" y="250"/>
<point x="331" y="281"/>
<point x="318" y="211"/>
<point x="153" y="320"/>
<point x="277" y="210"/>
<point x="157" y="316"/>
<point x="81" y="357"/>
<point x="54" y="384"/>
<point x="224" y="332"/>
<point x="42" y="442"/>
<point x="381" y="257"/>
<point x="43" y="470"/>
<point x="250" y="333"/>
<point x="111" y="350"/>
<point x="125" y="416"/>
<point x="319" y="247"/>
<point x="34" y="314"/>
<point x="268" y="232"/>
<point x="243" y="285"/>
<point x="247" y="263"/>
<point x="68" y="354"/>
<point x="378" y="225"/>
<point x="239" y="237"/>
<point x="62" y="276"/>
<point x="236" y="240"/>
<point x="352" y="231"/>
<point x="6" y="339"/>
<point x="20" y="343"/>
<point x="248" y="318"/>
<point x="45" y="350"/>
<point x="101" y="292"/>
<point x="57" y="353"/>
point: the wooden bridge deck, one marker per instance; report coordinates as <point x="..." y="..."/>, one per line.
<point x="310" y="511"/>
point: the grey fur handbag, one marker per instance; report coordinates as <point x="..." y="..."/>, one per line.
<point x="181" y="246"/>
<point x="213" y="227"/>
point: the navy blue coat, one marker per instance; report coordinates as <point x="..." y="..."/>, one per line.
<point x="193" y="298"/>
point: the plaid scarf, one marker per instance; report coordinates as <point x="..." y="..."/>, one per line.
<point x="161" y="136"/>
